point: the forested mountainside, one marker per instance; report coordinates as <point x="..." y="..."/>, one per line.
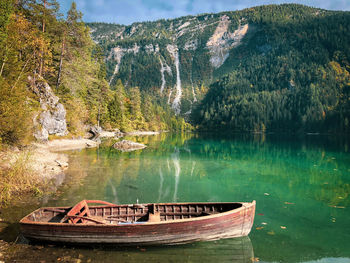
<point x="52" y="79"/>
<point x="275" y="67"/>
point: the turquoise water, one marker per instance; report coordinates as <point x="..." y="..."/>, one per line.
<point x="301" y="185"/>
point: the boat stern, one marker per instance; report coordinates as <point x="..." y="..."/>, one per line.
<point x="249" y="214"/>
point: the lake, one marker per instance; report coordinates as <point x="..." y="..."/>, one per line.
<point x="301" y="185"/>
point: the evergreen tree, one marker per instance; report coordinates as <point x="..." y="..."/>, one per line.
<point x="117" y="108"/>
<point x="135" y="108"/>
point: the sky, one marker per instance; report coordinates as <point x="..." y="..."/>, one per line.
<point x="128" y="11"/>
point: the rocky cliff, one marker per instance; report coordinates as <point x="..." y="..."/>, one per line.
<point x="174" y="57"/>
<point x="52" y="118"/>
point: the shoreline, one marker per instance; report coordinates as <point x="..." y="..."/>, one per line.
<point x="37" y="169"/>
<point x="119" y="134"/>
<point x="49" y="161"/>
<point x="46" y="162"/>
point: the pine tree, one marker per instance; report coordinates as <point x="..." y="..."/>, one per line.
<point x="18" y="41"/>
<point x="135" y="108"/>
<point x="6" y="9"/>
<point x="117" y="108"/>
<point x="78" y="74"/>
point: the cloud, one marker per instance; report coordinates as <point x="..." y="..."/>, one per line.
<point x="157" y="5"/>
<point x="129" y="11"/>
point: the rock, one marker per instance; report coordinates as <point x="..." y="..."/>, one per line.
<point x="61" y="164"/>
<point x="222" y="41"/>
<point x="128" y="146"/>
<point x="53" y="123"/>
<point x="141" y="133"/>
<point x="107" y="134"/>
<point x="52" y="120"/>
<point x="66" y="145"/>
<point x="118" y="133"/>
<point x="90" y="144"/>
<point x="41" y="135"/>
<point x="110" y="134"/>
<point x="95" y="131"/>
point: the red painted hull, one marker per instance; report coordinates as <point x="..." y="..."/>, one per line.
<point x="235" y="223"/>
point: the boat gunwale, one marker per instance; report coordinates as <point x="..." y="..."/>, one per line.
<point x="245" y="205"/>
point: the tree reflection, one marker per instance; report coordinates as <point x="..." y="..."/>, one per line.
<point x="306" y="181"/>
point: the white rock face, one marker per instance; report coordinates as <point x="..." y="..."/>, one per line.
<point x="164" y="68"/>
<point x="133" y="29"/>
<point x="222" y="41"/>
<point x="191" y="45"/>
<point x="117" y="54"/>
<point x="182" y="29"/>
<point x="119" y="34"/>
<point x="186" y="24"/>
<point x="174" y="52"/>
<point x="152" y="49"/>
<point x="193" y="93"/>
<point x="169" y="97"/>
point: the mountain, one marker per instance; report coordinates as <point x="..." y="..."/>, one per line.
<point x="274" y="67"/>
<point x="175" y="59"/>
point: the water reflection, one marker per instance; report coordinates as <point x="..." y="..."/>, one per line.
<point x="302" y="186"/>
<point x="330" y="260"/>
<point x="161" y="180"/>
<point x="322" y="260"/>
<point x="115" y="199"/>
<point x="227" y="161"/>
<point x="175" y="157"/>
<point x="239" y="250"/>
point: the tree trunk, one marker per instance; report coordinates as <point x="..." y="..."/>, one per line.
<point x="98" y="115"/>
<point x="5" y="59"/>
<point x="42" y="52"/>
<point x="61" y="62"/>
<point x="20" y="74"/>
<point x="2" y="67"/>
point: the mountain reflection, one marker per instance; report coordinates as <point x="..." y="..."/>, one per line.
<point x="301" y="185"/>
<point x="161" y="180"/>
<point x="175" y="157"/>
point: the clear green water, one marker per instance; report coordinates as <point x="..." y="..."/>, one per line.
<point x="301" y="185"/>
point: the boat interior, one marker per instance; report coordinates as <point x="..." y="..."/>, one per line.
<point x="108" y="213"/>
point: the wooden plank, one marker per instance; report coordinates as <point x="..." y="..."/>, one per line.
<point x="55" y="210"/>
<point x="88" y="218"/>
<point x="188" y="213"/>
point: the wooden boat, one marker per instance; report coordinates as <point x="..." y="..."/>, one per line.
<point x="139" y="224"/>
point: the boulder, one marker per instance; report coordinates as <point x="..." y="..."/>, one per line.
<point x="41" y="134"/>
<point x="116" y="133"/>
<point x="52" y="119"/>
<point x="95" y="131"/>
<point x="128" y="146"/>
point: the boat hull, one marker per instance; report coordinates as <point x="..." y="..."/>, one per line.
<point x="235" y="223"/>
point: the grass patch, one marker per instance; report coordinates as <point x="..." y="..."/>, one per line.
<point x="17" y="178"/>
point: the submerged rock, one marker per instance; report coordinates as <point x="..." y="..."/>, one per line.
<point x="128" y="146"/>
<point x="141" y="133"/>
